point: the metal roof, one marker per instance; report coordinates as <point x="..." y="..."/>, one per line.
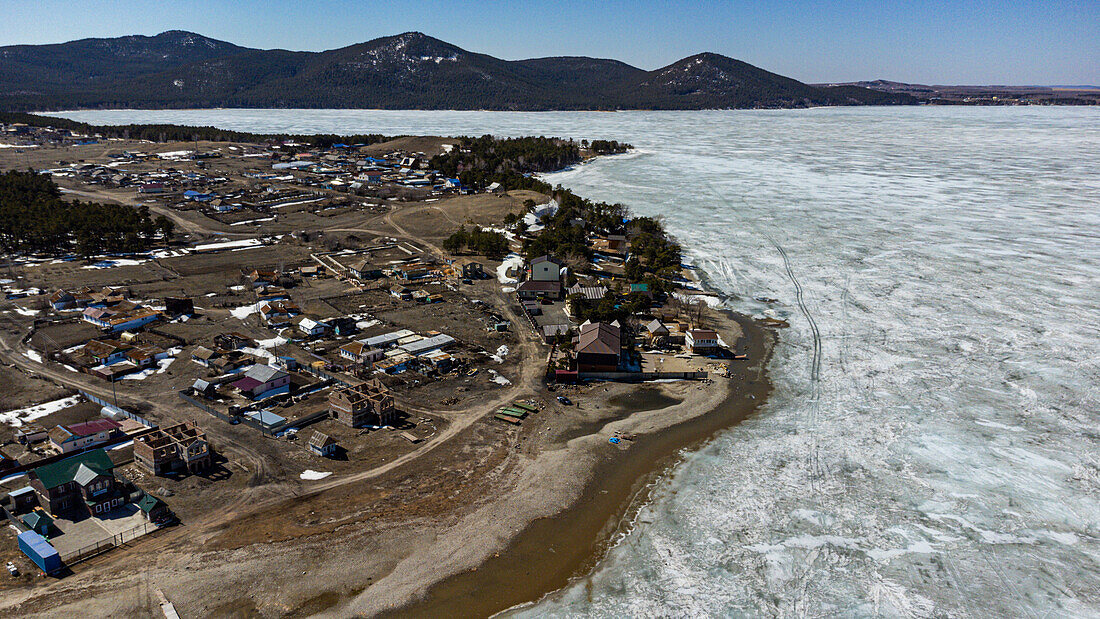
<point x="266" y="417"/>
<point x="264" y="373"/>
<point x="63" y="471"/>
<point x="427" y="344"/>
<point x="387" y="338"/>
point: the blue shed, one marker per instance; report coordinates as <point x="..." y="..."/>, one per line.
<point x="40" y="551"/>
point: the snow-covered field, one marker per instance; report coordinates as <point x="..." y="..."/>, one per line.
<point x="931" y="447"/>
<point x="21" y="416"/>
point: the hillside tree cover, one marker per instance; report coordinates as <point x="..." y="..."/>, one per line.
<point x="183" y="133"/>
<point x="34" y="218"/>
<point x="478" y="241"/>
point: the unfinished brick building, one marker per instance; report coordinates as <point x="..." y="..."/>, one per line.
<point x="366" y="404"/>
<point x="173" y="449"/>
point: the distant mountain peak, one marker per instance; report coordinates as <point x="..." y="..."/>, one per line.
<point x="411" y="70"/>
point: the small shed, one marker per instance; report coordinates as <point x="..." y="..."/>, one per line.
<point x="266" y="419"/>
<point x="322" y="444"/>
<point x="204" y="388"/>
<point x="22" y="500"/>
<point x="151" y="507"/>
<point x="39" y="522"/>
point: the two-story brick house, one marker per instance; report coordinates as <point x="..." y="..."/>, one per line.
<point x="82" y="483"/>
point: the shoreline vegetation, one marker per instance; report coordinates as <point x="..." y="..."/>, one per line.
<point x="563" y="501"/>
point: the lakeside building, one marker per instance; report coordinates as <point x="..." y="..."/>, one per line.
<point x="598" y="347"/>
<point x="701" y="341"/>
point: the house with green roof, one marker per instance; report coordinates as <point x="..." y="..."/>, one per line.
<point x="84" y="482"/>
<point x="38" y="521"/>
<point x="151" y="507"/>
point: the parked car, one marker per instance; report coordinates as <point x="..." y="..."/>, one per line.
<point x="564" y="400"/>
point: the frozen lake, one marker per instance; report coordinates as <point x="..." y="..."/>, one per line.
<point x="933" y="444"/>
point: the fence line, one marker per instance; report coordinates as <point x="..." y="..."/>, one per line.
<point x="101" y="546"/>
<point x="114" y="410"/>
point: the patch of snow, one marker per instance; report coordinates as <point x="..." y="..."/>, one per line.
<point x="499" y="379"/>
<point x="142" y="375"/>
<point x="311" y="475"/>
<point x="229" y="245"/>
<point x="22" y="311"/>
<point x="33" y="356"/>
<point x="512" y="261"/>
<point x="252" y="221"/>
<point x="273" y="342"/>
<point x="114" y="262"/>
<point x="18" y="417"/>
<point x="244" y="311"/>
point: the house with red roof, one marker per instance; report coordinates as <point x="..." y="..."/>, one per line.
<point x="83" y="435"/>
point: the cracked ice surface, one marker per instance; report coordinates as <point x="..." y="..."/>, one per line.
<point x="947" y="461"/>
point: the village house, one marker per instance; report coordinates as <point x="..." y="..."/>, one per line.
<point x="366" y="404"/>
<point x="262" y="380"/>
<point x="233" y="341"/>
<point x="278" y="312"/>
<point x="272" y="293"/>
<point x="322" y="444"/>
<point x="598" y="347"/>
<point x="701" y="341"/>
<point x="656" y="332"/>
<point x="204" y="356"/>
<point x="263" y="278"/>
<point x="181" y="447"/>
<point x="360" y="352"/>
<point x="583" y="296"/>
<point x="545" y="269"/>
<point x="365" y="270"/>
<point x="178" y="306"/>
<point x="343" y="325"/>
<point x="104" y="352"/>
<point x="473" y="270"/>
<point x="415" y="272"/>
<point x="311" y="327"/>
<point x="82" y="435"/>
<point x="532" y="289"/>
<point x="83" y="483"/>
<point x="113" y="319"/>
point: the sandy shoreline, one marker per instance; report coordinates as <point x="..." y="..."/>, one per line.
<point x="560" y="528"/>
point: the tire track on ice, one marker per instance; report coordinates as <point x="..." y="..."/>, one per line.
<point x="818" y="471"/>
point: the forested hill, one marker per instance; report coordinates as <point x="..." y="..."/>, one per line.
<point x="408" y="71"/>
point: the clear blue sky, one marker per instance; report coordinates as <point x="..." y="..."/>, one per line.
<point x="964" y="42"/>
